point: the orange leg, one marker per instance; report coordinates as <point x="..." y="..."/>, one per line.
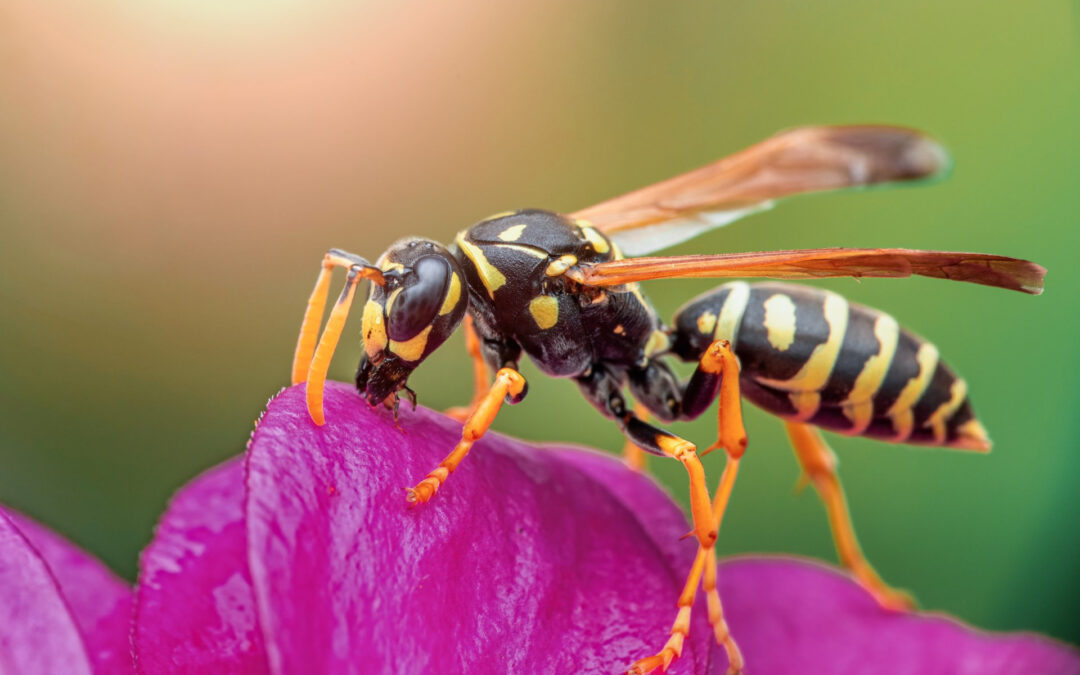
<point x="310" y="363"/>
<point x="633" y="455"/>
<point x="508" y="383"/>
<point x="819" y="465"/>
<point x="732" y="437"/>
<point x="704" y="561"/>
<point x="309" y="329"/>
<point x="731" y="434"/>
<point x="481" y="381"/>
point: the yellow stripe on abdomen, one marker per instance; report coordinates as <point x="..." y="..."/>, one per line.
<point x="859" y="404"/>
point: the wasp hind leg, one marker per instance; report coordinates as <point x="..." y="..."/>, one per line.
<point x="510" y="387"/>
<point x="819" y="466"/>
<point x="481" y="380"/>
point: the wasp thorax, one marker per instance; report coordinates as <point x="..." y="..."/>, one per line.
<point x="420" y="304"/>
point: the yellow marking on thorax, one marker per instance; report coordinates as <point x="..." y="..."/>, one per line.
<point x="599" y="243"/>
<point x="545" y="311"/>
<point x="512" y="233"/>
<point x="706" y="323"/>
<point x="859" y="404"/>
<point x="901" y="413"/>
<point x="387" y="266"/>
<point x="658" y="343"/>
<point x="373" y="328"/>
<point x="619" y="330"/>
<point x="815" y="372"/>
<point x="731" y="313"/>
<point x="558" y="267"/>
<point x="780" y="321"/>
<point x="492" y="278"/>
<point x="413" y="348"/>
<point x="529" y="250"/>
<point x="939" y="417"/>
<point x="501" y="214"/>
<point x="453" y="294"/>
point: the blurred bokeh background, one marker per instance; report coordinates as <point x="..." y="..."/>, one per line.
<point x="171" y="172"/>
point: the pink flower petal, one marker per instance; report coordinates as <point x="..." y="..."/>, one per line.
<point x="195" y="608"/>
<point x="98" y="600"/>
<point x="523" y="562"/>
<point x="793" y="617"/>
<point x="38" y="634"/>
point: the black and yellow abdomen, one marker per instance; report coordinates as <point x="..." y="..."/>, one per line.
<point x="809" y="355"/>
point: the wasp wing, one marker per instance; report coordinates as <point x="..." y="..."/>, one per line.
<point x="976" y="268"/>
<point x="807" y="159"/>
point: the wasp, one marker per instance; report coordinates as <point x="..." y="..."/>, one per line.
<point x="564" y="289"/>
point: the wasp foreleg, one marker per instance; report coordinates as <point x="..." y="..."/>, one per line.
<point x="819" y="464"/>
<point x="509" y="386"/>
<point x="313" y="369"/>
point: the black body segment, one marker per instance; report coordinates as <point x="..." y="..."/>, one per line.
<point x="520" y="298"/>
<point x="808" y="355"/>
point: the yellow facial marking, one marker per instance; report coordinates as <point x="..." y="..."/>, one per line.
<point x="901" y="414"/>
<point x="413" y="348"/>
<point x="492" y="278"/>
<point x="731" y="313"/>
<point x="373" y="329"/>
<point x="501" y="214"/>
<point x="815" y="372"/>
<point x="453" y="294"/>
<point x="859" y="404"/>
<point x="658" y="342"/>
<point x="512" y="233"/>
<point x="780" y="321"/>
<point x="545" y="311"/>
<point x="599" y="242"/>
<point x="706" y="323"/>
<point x="939" y="417"/>
<point x="559" y="267"/>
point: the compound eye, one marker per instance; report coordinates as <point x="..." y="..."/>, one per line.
<point x="421" y="296"/>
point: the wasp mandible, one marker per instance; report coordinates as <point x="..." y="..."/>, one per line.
<point x="561" y="289"/>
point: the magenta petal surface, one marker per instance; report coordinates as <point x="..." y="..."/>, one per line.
<point x="38" y="633"/>
<point x="98" y="600"/>
<point x="523" y="563"/>
<point x="793" y="617"/>
<point x="195" y="607"/>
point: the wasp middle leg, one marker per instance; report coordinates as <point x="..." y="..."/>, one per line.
<point x="481" y="381"/>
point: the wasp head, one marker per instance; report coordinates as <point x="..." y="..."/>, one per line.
<point x="420" y="304"/>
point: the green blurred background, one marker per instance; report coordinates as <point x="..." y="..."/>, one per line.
<point x="171" y="172"/>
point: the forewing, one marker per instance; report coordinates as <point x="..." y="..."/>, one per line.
<point x="976" y="268"/>
<point x="807" y="159"/>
